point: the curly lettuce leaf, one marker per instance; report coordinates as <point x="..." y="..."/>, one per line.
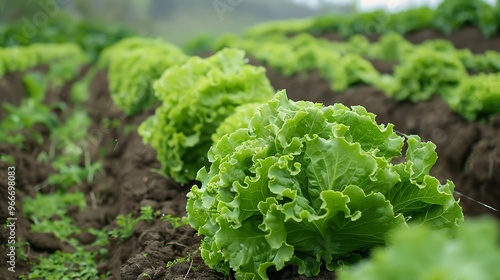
<point x="239" y="119"/>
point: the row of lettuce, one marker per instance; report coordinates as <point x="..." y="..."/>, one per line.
<point x="467" y="82"/>
<point x="448" y="17"/>
<point x="61" y="42"/>
<point x="62" y="28"/>
<point x="195" y="94"/>
<point x="291" y="183"/>
<point x="434" y="67"/>
<point x="64" y="59"/>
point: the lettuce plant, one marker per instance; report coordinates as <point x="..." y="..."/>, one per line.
<point x="424" y="73"/>
<point x="391" y="47"/>
<point x="131" y="76"/>
<point x="348" y="70"/>
<point x="376" y="22"/>
<point x="472" y="252"/>
<point x="304" y="53"/>
<point x="312" y="186"/>
<point x="327" y="23"/>
<point x="369" y="23"/>
<point x="476" y="97"/>
<point x="134" y="65"/>
<point x="410" y="20"/>
<point x="453" y="14"/>
<point x="196" y="97"/>
<point x="489" y="61"/>
<point x="280" y="27"/>
<point x="114" y="51"/>
<point x="22" y="58"/>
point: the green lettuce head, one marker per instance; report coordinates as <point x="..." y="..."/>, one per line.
<point x="309" y="185"/>
<point x="197" y="97"/>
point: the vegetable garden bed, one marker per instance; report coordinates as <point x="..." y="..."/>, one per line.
<point x="162" y="247"/>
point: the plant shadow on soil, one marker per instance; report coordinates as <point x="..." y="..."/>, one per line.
<point x="469" y="155"/>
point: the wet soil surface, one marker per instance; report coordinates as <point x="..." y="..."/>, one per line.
<point x="469" y="155"/>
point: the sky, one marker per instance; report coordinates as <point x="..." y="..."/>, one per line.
<point x="391" y="5"/>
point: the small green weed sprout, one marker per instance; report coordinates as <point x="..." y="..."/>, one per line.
<point x="126" y="224"/>
<point x="77" y="265"/>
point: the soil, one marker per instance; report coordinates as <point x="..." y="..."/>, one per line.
<point x="12" y="89"/>
<point x="469" y="155"/>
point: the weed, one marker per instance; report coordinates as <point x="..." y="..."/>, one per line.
<point x="20" y="245"/>
<point x="77" y="265"/>
<point x="189" y="258"/>
<point x="101" y="237"/>
<point x="7" y="159"/>
<point x="44" y="206"/>
<point x="69" y="138"/>
<point x="147" y="213"/>
<point x="23" y="118"/>
<point x="36" y="85"/>
<point x="79" y="92"/>
<point x="129" y="128"/>
<point x="62" y="228"/>
<point x="175" y="221"/>
<point x="69" y="175"/>
<point x="102" y="240"/>
<point x="125" y="226"/>
<point x="61" y="72"/>
<point x="180" y="260"/>
<point x="110" y="124"/>
<point x="126" y="223"/>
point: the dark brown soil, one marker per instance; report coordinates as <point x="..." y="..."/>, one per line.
<point x="466" y="37"/>
<point x="12" y="91"/>
<point x="469" y="155"/>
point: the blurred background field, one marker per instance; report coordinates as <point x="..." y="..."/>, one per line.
<point x="178" y="21"/>
<point x="175" y="20"/>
